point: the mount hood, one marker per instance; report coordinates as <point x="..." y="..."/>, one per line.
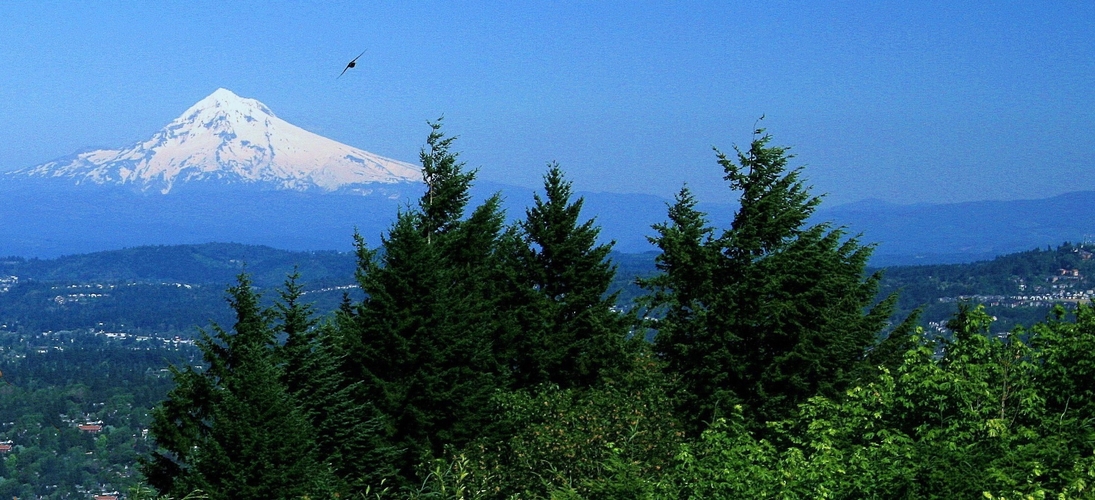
<point x="226" y="138"/>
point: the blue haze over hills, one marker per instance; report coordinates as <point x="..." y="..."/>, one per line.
<point x="45" y="219"/>
<point x="229" y="170"/>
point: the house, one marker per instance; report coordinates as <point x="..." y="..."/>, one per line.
<point x="5" y="447"/>
<point x="90" y="427"/>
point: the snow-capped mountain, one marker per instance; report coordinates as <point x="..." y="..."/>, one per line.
<point x="231" y="139"/>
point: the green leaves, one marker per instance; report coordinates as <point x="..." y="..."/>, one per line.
<point x="499" y="347"/>
<point x="606" y="441"/>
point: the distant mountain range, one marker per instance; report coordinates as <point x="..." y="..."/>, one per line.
<point x="229" y="170"/>
<point x="969" y="231"/>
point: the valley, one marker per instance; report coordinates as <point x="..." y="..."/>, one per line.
<point x="88" y="338"/>
<point x="175" y="290"/>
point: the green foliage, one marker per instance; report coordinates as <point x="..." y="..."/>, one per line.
<point x="576" y="339"/>
<point x="1068" y="368"/>
<point x="348" y="433"/>
<point x="51" y="383"/>
<point x="769" y="313"/>
<point x="615" y="436"/>
<point x="219" y="422"/>
<point x="458" y="307"/>
<point x="421" y="343"/>
<point x="972" y="421"/>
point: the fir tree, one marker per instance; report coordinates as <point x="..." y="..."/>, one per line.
<point x="447" y="184"/>
<point x="772" y="311"/>
<point x="218" y="423"/>
<point x="421" y="341"/>
<point x="683" y="299"/>
<point x="348" y="431"/>
<point x="579" y="338"/>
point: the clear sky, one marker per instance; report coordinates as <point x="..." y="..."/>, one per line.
<point x="904" y="101"/>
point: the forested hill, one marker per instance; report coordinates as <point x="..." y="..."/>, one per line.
<point x="209" y="263"/>
<point x="176" y="288"/>
<point x="158" y="289"/>
<point x="221" y="263"/>
<point x="1018" y="288"/>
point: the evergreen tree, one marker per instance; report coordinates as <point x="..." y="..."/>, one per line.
<point x="447" y="184"/>
<point x="298" y="326"/>
<point x="683" y="296"/>
<point x="218" y="423"/>
<point x="770" y="312"/>
<point x="578" y="337"/>
<point x="348" y="432"/>
<point x="421" y="341"/>
<point x="889" y="354"/>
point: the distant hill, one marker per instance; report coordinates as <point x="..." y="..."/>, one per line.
<point x="160" y="289"/>
<point x="1018" y="288"/>
<point x="966" y="232"/>
<point x="204" y="264"/>
<point x="176" y="288"/>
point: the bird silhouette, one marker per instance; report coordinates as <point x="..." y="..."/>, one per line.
<point x="351" y="64"/>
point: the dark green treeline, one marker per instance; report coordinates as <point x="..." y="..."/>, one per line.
<point x="488" y="361"/>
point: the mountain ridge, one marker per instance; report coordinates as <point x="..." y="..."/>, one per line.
<point x="230" y="139"/>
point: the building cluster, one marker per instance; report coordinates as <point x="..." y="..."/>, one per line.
<point x="6" y="282"/>
<point x="1066" y="286"/>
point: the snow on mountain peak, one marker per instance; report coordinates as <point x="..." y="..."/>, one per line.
<point x="232" y="139"/>
<point x="224" y="101"/>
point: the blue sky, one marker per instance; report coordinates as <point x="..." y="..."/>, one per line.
<point x="902" y="101"/>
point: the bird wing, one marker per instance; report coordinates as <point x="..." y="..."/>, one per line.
<point x="351" y="64"/>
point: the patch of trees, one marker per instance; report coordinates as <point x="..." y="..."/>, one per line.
<point x="489" y="361"/>
<point x="135" y="307"/>
<point x="1031" y="273"/>
<point x="208" y="263"/>
<point x="51" y="384"/>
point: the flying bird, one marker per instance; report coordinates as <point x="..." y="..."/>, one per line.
<point x="351" y="64"/>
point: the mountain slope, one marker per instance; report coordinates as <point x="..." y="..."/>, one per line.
<point x="230" y="139"/>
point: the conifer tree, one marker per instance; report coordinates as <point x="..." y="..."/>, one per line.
<point x="683" y="295"/>
<point x="579" y="338"/>
<point x="297" y="324"/>
<point x="348" y="432"/>
<point x="421" y="341"/>
<point x="772" y="311"/>
<point x="218" y="423"/>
